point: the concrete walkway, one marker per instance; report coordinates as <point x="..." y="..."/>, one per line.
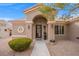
<point x="40" y="49"/>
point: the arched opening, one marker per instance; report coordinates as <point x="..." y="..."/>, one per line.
<point x="40" y="27"/>
<point x="39" y="19"/>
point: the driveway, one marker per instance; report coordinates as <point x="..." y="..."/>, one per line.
<point x="64" y="48"/>
<point x="4" y="47"/>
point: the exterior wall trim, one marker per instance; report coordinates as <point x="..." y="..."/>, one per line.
<point x="29" y="22"/>
<point x="18" y="35"/>
<point x="50" y="22"/>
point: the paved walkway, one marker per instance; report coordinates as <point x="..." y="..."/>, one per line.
<point x="40" y="49"/>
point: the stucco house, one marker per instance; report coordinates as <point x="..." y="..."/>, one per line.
<point x="36" y="26"/>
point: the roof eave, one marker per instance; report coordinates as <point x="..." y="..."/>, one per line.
<point x="32" y="8"/>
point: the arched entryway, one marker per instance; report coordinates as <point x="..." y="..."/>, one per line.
<point x="39" y="27"/>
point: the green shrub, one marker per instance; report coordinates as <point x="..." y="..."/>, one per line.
<point x="20" y="44"/>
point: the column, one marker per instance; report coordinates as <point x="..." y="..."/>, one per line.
<point x="51" y="34"/>
<point x="29" y="30"/>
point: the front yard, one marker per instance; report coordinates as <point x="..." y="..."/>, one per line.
<point x="64" y="48"/>
<point x="60" y="48"/>
<point x="5" y="50"/>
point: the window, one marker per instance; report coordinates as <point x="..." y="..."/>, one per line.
<point x="56" y="29"/>
<point x="59" y="29"/>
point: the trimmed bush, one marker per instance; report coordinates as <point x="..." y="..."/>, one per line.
<point x="20" y="44"/>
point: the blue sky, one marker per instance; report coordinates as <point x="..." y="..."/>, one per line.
<point x="13" y="11"/>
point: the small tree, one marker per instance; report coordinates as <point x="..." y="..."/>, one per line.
<point x="47" y="11"/>
<point x="51" y="10"/>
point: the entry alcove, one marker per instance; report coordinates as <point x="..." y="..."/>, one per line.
<point x="39" y="27"/>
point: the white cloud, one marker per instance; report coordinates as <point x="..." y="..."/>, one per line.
<point x="6" y="19"/>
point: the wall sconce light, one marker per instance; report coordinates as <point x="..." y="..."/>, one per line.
<point x="28" y="26"/>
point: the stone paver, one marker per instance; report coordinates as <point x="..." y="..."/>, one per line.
<point x="64" y="48"/>
<point x="40" y="49"/>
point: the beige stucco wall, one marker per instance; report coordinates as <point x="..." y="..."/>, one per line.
<point x="27" y="29"/>
<point x="15" y="27"/>
<point x="73" y="30"/>
<point x="32" y="14"/>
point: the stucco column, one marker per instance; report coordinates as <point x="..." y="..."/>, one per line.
<point x="49" y="31"/>
<point x="51" y="34"/>
<point x="29" y="29"/>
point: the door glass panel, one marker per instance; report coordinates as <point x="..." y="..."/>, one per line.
<point x="38" y="31"/>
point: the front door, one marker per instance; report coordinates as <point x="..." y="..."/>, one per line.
<point x="38" y="31"/>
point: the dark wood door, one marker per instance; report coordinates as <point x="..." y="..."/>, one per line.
<point x="38" y="31"/>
